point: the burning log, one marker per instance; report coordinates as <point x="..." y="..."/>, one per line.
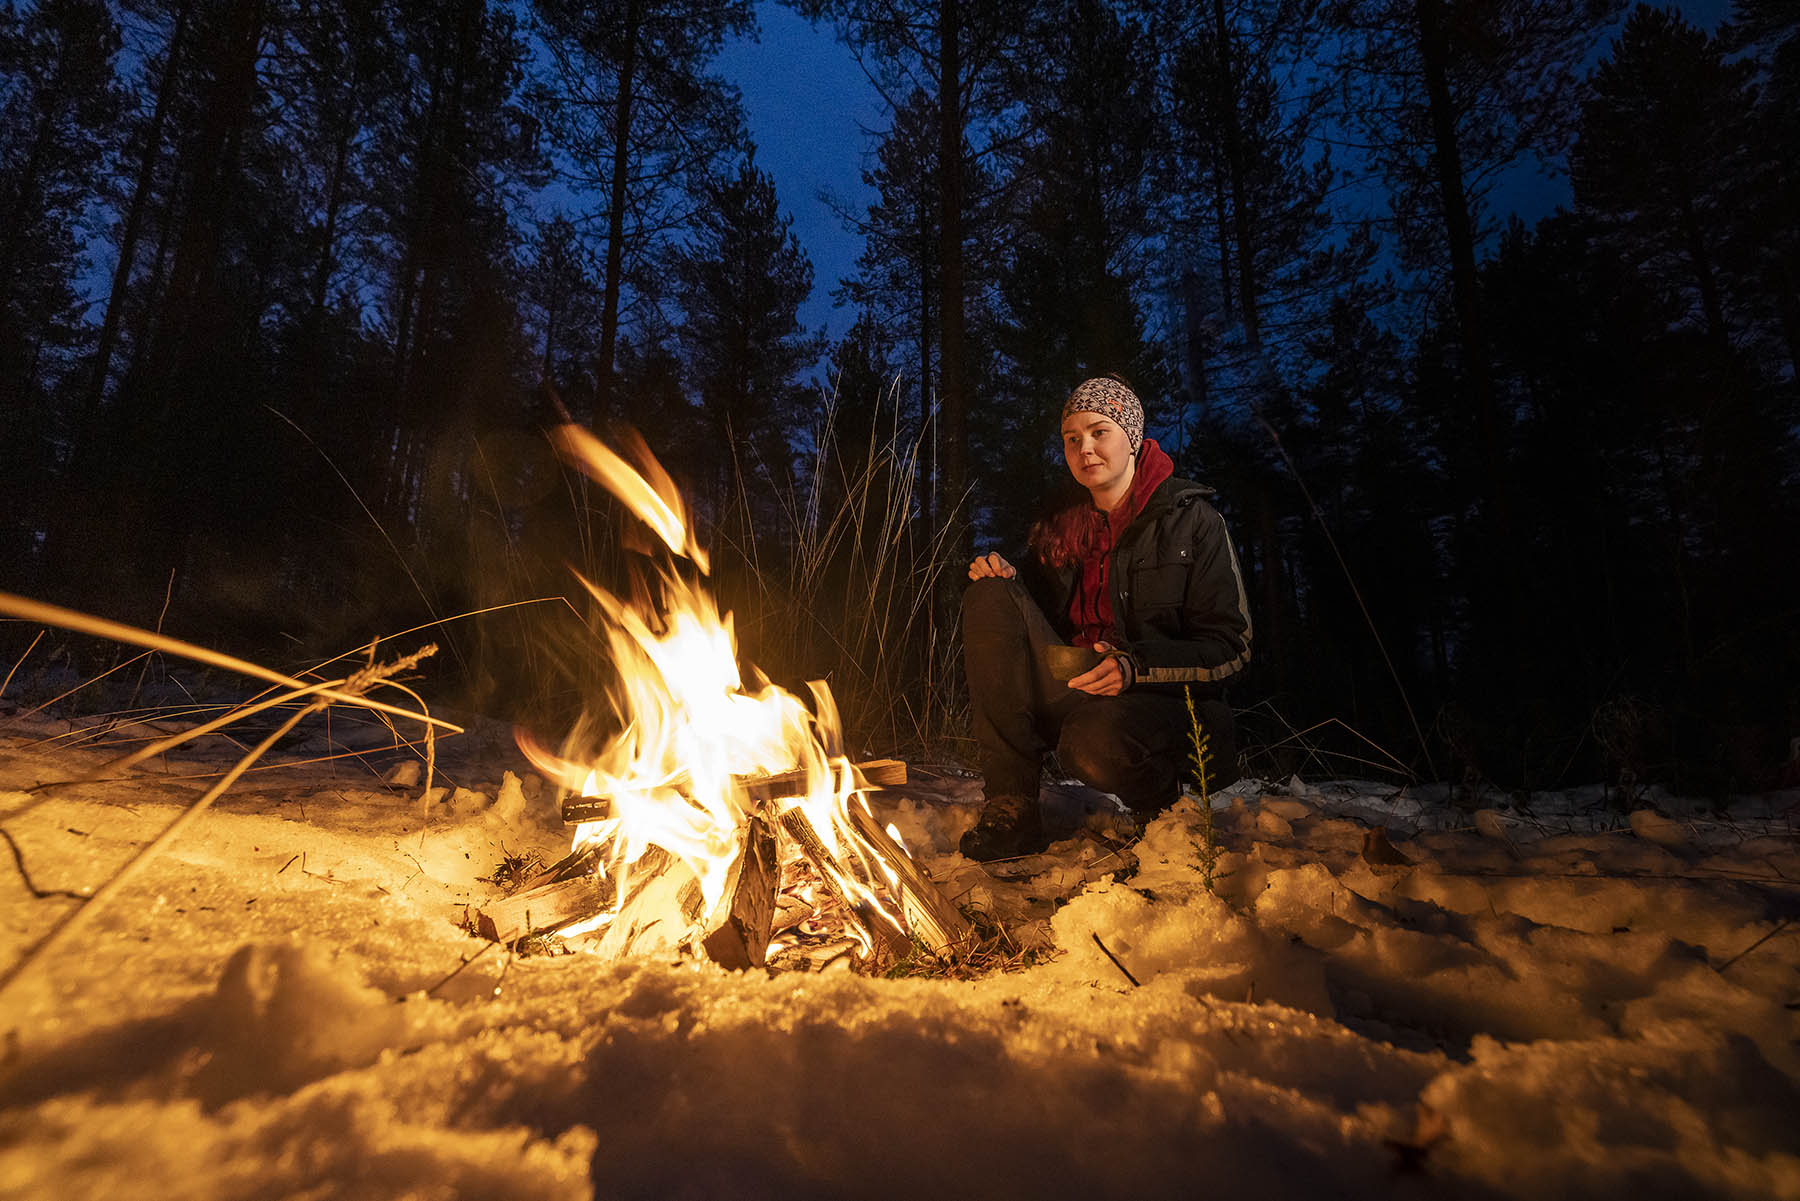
<point x="931" y="918"/>
<point x="751" y="790"/>
<point x="885" y="938"/>
<point x="574" y="889"/>
<point x="568" y="891"/>
<point x="662" y="907"/>
<point x="742" y="940"/>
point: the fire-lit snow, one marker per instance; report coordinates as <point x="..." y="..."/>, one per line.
<point x="1572" y="1010"/>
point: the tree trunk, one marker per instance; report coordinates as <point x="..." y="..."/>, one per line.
<point x="952" y="354"/>
<point x="322" y="270"/>
<point x="417" y="248"/>
<point x="1193" y="352"/>
<point x="927" y="427"/>
<point x="193" y="277"/>
<point x="1222" y="237"/>
<point x="128" y="240"/>
<point x="615" y="216"/>
<point x="1465" y="283"/>
<point x="17" y="220"/>
<point x="313" y="369"/>
<point x="441" y="241"/>
<point x="1465" y="287"/>
<point x="1269" y="628"/>
<point x="1708" y="280"/>
<point x="1234" y="160"/>
<point x="1787" y="300"/>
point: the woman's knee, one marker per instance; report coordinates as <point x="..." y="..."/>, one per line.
<point x="990" y="599"/>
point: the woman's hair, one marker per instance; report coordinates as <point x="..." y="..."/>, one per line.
<point x="1067" y="533"/>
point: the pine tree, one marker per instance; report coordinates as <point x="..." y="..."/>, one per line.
<point x="640" y="122"/>
<point x="1447" y="97"/>
<point x="863" y="413"/>
<point x="969" y="56"/>
<point x="896" y="283"/>
<point x="1767" y="32"/>
<point x="1245" y="172"/>
<point x="58" y="100"/>
<point x="1068" y="304"/>
<point x="1660" y="147"/>
<point x="563" y="310"/>
<point x="742" y="278"/>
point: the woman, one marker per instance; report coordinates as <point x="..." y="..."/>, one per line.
<point x="1140" y="570"/>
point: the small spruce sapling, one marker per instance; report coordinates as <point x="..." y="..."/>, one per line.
<point x="1201" y="757"/>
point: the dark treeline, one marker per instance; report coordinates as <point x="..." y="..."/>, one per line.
<point x="289" y="290"/>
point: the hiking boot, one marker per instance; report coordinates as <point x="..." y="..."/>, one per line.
<point x="1144" y="813"/>
<point x="1010" y="825"/>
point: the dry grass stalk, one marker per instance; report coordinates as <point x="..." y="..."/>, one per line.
<point x="852" y="533"/>
<point x="990" y="950"/>
<point x="20" y="662"/>
<point x="84" y="623"/>
<point x="1316" y="754"/>
<point x="350" y="688"/>
<point x="64" y="695"/>
<point x="324" y="693"/>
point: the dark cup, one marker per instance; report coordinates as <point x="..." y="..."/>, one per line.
<point x="1067" y="662"/>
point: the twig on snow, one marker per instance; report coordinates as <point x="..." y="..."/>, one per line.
<point x="40" y="893"/>
<point x="458" y="969"/>
<point x="1779" y="927"/>
<point x="1135" y="983"/>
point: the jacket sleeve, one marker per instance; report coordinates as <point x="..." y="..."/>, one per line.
<point x="1214" y="645"/>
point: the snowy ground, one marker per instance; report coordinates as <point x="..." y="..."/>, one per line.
<point x="1551" y="1002"/>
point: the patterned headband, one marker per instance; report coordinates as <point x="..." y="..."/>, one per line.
<point x="1112" y="400"/>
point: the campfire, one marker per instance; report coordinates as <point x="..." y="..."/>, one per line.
<point x="715" y="815"/>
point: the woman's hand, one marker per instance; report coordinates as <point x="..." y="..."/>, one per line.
<point x="991" y="564"/>
<point x="1113" y="676"/>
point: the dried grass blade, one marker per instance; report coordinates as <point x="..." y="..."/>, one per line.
<point x="76" y="920"/>
<point x="238" y="714"/>
<point x="21" y="662"/>
<point x="85" y="683"/>
<point x="99" y="627"/>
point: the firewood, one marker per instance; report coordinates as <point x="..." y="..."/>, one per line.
<point x="661" y="909"/>
<point x="889" y="943"/>
<point x="742" y="938"/>
<point x="581" y="861"/>
<point x="566" y="892"/>
<point x="751" y="790"/>
<point x="931" y="918"/>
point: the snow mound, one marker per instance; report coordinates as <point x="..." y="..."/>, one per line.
<point x="1378" y="994"/>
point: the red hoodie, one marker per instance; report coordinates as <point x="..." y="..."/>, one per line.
<point x="1091" y="609"/>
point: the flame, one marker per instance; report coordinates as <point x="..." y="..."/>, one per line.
<point x="689" y="732"/>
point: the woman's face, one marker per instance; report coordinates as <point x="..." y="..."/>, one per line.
<point x="1097" y="451"/>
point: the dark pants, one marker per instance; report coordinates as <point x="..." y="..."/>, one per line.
<point x="1136" y="745"/>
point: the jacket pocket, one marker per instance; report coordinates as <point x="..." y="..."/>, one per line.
<point x="1157" y="587"/>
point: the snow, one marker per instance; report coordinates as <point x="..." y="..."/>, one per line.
<point x="1566" y="995"/>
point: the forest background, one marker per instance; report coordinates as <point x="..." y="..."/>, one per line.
<point x="290" y="289"/>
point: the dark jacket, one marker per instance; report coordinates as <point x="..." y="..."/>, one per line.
<point x="1177" y="594"/>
